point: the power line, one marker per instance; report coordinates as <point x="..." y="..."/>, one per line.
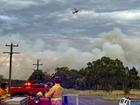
<point x="10" y="61"/>
<point x="38" y="64"/>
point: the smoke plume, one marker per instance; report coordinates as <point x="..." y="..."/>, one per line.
<point x="114" y="44"/>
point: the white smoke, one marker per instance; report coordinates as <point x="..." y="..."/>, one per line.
<point x="113" y="44"/>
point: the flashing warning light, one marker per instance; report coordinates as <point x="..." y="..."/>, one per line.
<point x="28" y="84"/>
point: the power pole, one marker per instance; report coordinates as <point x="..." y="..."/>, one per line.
<point x="38" y="64"/>
<point x="10" y="63"/>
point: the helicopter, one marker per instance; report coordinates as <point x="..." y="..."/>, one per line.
<point x="75" y="11"/>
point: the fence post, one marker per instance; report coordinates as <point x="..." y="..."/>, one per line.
<point x="65" y="100"/>
<point x="77" y="100"/>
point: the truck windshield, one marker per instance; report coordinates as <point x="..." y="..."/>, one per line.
<point x="38" y="86"/>
<point x="136" y="102"/>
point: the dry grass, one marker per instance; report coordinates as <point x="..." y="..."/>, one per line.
<point x="113" y="96"/>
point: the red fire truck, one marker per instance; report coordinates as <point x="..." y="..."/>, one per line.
<point x="28" y="89"/>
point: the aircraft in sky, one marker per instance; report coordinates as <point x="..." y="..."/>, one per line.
<point x="75" y="11"/>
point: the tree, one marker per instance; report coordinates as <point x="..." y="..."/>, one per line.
<point x="80" y="83"/>
<point x="37" y="77"/>
<point x="63" y="72"/>
<point x="105" y="73"/>
<point x="133" y="78"/>
<point x="1" y="78"/>
<point x="68" y="76"/>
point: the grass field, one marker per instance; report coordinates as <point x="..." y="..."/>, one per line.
<point x="115" y="95"/>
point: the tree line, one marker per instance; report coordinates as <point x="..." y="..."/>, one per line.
<point x="103" y="74"/>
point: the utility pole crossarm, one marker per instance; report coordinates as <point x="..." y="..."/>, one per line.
<point x="11" y="52"/>
<point x="12" y="45"/>
<point x="38" y="64"/>
<point x="6" y="52"/>
<point x="16" y="52"/>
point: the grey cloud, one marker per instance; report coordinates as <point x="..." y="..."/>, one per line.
<point x="55" y="17"/>
<point x="7" y="18"/>
<point x="47" y="29"/>
<point x="16" y="4"/>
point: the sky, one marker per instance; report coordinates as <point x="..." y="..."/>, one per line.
<point x="49" y="31"/>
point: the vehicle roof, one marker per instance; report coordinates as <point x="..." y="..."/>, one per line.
<point x="35" y="85"/>
<point x="38" y="84"/>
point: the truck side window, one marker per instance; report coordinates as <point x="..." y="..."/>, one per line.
<point x="122" y="100"/>
<point x="127" y="103"/>
<point x="38" y="86"/>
